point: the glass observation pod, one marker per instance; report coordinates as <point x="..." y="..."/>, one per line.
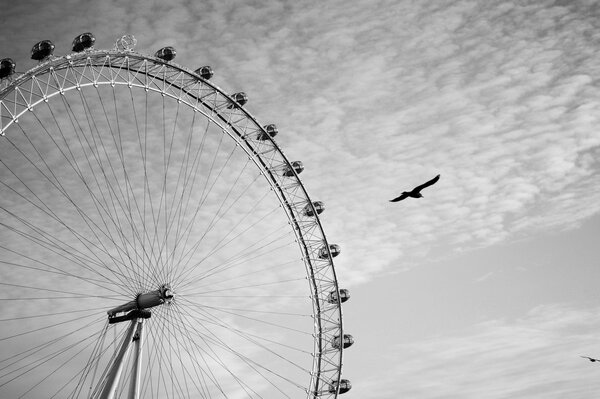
<point x="83" y="42"/>
<point x="347" y="342"/>
<point x="343" y="386"/>
<point x="7" y="67"/>
<point x="271" y="131"/>
<point x="205" y="72"/>
<point x="334" y="249"/>
<point x="239" y="98"/>
<point x="166" y="53"/>
<point x="344" y="296"/>
<point x="42" y="50"/>
<point x="319" y="207"/>
<point x="297" y="167"/>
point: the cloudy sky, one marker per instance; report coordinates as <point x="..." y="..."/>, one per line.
<point x="487" y="286"/>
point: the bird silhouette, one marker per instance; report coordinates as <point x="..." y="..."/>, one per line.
<point x="591" y="359"/>
<point x="416" y="192"/>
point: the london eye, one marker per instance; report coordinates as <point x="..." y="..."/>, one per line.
<point x="155" y="241"/>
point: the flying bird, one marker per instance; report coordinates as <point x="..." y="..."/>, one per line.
<point x="416" y="192"/>
<point x="591" y="359"/>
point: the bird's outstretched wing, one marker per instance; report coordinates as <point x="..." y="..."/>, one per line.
<point x="400" y="198"/>
<point x="591" y="359"/>
<point x="427" y="184"/>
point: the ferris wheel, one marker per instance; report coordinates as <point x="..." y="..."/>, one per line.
<point x="155" y="241"/>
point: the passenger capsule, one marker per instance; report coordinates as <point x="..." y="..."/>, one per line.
<point x="240" y="99"/>
<point x="7" y="67"/>
<point x="343" y="386"/>
<point x="318" y="206"/>
<point x="166" y="53"/>
<point x="42" y="50"/>
<point x="271" y="131"/>
<point x="348" y="341"/>
<point x="83" y="42"/>
<point x="205" y="72"/>
<point x="333" y="248"/>
<point x="297" y="166"/>
<point x="344" y="296"/>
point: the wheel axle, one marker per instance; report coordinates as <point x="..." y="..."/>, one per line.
<point x="138" y="307"/>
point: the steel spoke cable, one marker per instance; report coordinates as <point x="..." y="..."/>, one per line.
<point x="195" y="167"/>
<point x="156" y="272"/>
<point x="204" y="195"/>
<point x="37" y="348"/>
<point x="266" y="312"/>
<point x="240" y="253"/>
<point x="174" y="344"/>
<point x="252" y="272"/>
<point x="92" y="363"/>
<point x="50" y="213"/>
<point x="117" y="197"/>
<point x="151" y="258"/>
<point x="42" y="360"/>
<point x="114" y="196"/>
<point x="105" y="205"/>
<point x="232" y="229"/>
<point x="123" y="200"/>
<point x="245" y="333"/>
<point x="204" y="371"/>
<point x="237" y="259"/>
<point x="49" y="243"/>
<point x="215" y="357"/>
<point x="169" y="348"/>
<point x="217" y="217"/>
<point x="80" y="238"/>
<point x="97" y="283"/>
<point x="59" y="366"/>
<point x="171" y="311"/>
<point x="50" y="314"/>
<point x="62" y="252"/>
<point x="241" y="258"/>
<point x="53" y="290"/>
<point x="141" y="215"/>
<point x="186" y="170"/>
<point x="185" y="331"/>
<point x="76" y="129"/>
<point x="40" y="328"/>
<point x="117" y="342"/>
<point x="168" y="208"/>
<point x="214" y="338"/>
<point x="119" y="298"/>
<point x="284" y="327"/>
<point x="229" y="289"/>
<point x="61" y="189"/>
<point x="248" y="337"/>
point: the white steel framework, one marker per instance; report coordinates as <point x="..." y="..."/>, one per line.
<point x="117" y="247"/>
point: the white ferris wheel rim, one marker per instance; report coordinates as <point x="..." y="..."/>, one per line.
<point x="56" y="77"/>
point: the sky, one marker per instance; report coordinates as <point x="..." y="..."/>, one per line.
<point x="487" y="286"/>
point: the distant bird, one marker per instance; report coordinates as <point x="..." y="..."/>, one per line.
<point x="591" y="359"/>
<point x="416" y="192"/>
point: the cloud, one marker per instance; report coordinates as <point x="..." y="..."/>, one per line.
<point x="500" y="107"/>
<point x="536" y="356"/>
<point x="498" y="99"/>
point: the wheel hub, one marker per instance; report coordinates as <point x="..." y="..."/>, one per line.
<point x="138" y="308"/>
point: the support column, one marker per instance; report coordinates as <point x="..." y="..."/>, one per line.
<point x="138" y="342"/>
<point x="114" y="375"/>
